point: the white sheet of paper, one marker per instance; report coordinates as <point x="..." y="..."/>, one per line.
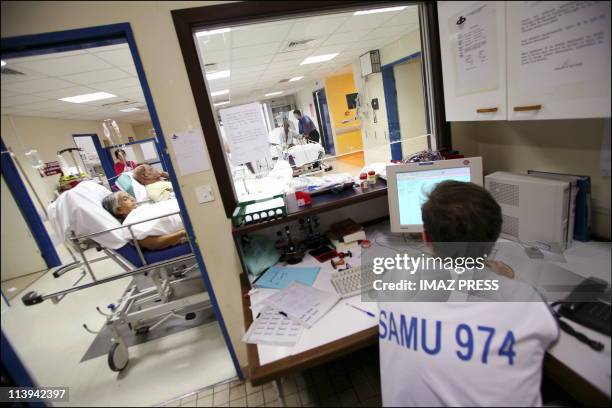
<point x="562" y="42"/>
<point x="148" y="151"/>
<point x="246" y="132"/>
<point x="274" y="329"/>
<point x="190" y="150"/>
<point x="474" y="47"/>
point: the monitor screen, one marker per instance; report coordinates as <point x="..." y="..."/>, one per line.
<point x="413" y="187"/>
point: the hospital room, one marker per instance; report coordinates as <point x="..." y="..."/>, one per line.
<point x="356" y="203"/>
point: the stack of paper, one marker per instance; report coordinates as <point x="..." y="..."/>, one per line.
<point x="272" y="328"/>
<point x="302" y="304"/>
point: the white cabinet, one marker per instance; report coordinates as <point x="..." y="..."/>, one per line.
<point x="551" y="59"/>
<point x="558" y="59"/>
<point x="473" y="48"/>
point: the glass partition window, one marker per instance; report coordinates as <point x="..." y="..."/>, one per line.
<point x="314" y="101"/>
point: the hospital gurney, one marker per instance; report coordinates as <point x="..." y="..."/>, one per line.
<point x="172" y="294"/>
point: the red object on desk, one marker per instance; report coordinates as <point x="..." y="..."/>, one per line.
<point x="303" y="198"/>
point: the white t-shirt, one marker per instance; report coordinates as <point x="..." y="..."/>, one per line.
<point x="160" y="226"/>
<point x="463" y="354"/>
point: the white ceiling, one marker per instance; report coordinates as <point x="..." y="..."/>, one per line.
<point x="52" y="76"/>
<point x="258" y="59"/>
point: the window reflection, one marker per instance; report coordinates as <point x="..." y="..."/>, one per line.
<point x="335" y="94"/>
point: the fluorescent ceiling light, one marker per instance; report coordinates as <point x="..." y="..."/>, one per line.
<point x="379" y="10"/>
<point x="221" y="103"/>
<point x="297" y="78"/>
<point x="217" y="93"/>
<point x="218" y="75"/>
<point x="319" y="58"/>
<point x="213" y="32"/>
<point x="129" y="110"/>
<point x="3" y="63"/>
<point x="96" y="96"/>
<point x="274" y="93"/>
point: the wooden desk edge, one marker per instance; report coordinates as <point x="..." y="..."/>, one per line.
<point x="259" y="374"/>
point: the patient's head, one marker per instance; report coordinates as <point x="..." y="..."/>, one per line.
<point x="146" y="174"/>
<point x="119" y="204"/>
<point x="461" y="219"/>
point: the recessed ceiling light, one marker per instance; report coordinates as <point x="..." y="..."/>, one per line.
<point x="218" y="75"/>
<point x="129" y="110"/>
<point x="96" y="96"/>
<point x="319" y="58"/>
<point x="213" y="32"/>
<point x="221" y="103"/>
<point x="274" y="93"/>
<point x="297" y="78"/>
<point x="3" y="63"/>
<point x="379" y="10"/>
<point x="217" y="93"/>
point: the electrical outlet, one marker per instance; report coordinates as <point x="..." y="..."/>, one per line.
<point x="204" y="193"/>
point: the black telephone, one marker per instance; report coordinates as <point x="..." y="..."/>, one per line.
<point x="583" y="306"/>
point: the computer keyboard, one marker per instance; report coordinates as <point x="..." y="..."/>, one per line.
<point x="350" y="282"/>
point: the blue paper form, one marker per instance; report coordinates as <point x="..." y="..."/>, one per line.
<point x="278" y="277"/>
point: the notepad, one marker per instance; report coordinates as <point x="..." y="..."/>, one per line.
<point x="274" y="329"/>
<point x="279" y="277"/>
<point x="301" y="303"/>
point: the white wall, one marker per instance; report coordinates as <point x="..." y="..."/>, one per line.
<point x="563" y="146"/>
<point x="155" y="36"/>
<point x="411" y="106"/>
<point x="47" y="135"/>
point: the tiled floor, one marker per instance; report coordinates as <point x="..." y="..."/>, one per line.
<point x="353" y="380"/>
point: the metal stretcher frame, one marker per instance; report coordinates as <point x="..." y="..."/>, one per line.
<point x="141" y="310"/>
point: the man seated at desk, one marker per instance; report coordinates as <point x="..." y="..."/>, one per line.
<point x="155" y="181"/>
<point x="478" y="353"/>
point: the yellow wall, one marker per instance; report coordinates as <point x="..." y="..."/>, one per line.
<point x="347" y="135"/>
<point x="159" y="50"/>
<point x="563" y="146"/>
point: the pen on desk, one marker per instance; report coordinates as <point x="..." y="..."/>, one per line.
<point x="361" y="310"/>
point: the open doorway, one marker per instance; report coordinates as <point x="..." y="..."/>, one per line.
<point x="82" y="115"/>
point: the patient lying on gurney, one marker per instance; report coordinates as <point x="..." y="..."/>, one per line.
<point x="155" y="181"/>
<point x="155" y="234"/>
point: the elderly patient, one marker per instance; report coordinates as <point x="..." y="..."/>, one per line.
<point x="155" y="181"/>
<point x="155" y="234"/>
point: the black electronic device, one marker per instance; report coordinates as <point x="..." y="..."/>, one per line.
<point x="351" y="100"/>
<point x="584" y="306"/>
<point x="375" y="104"/>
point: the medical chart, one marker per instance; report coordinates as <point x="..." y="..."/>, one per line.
<point x="301" y="303"/>
<point x="274" y="329"/>
<point x="246" y="132"/>
<point x="190" y="150"/>
<point x="560" y="42"/>
<point x="473" y="40"/>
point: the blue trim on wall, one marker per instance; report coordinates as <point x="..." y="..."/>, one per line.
<point x="105" y="158"/>
<point x="12" y="363"/>
<point x="14" y="46"/>
<point x="165" y="157"/>
<point x="28" y="209"/>
<point x="390" y="92"/>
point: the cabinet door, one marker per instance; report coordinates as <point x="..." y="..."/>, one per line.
<point x="558" y="59"/>
<point x="473" y="49"/>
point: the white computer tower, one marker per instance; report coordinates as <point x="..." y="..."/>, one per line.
<point x="534" y="209"/>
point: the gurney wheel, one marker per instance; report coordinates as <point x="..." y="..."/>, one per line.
<point x="118" y="357"/>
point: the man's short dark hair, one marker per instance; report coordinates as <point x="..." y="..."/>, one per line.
<point x="461" y="213"/>
<point x="297" y="112"/>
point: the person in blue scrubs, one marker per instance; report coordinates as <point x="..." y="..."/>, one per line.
<point x="307" y="127"/>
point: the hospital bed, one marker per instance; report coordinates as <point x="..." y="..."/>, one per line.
<point x="175" y="290"/>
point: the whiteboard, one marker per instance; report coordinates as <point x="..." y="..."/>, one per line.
<point x="246" y="132"/>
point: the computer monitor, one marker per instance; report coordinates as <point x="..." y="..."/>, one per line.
<point x="409" y="184"/>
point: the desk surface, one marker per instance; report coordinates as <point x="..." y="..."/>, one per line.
<point x="344" y="329"/>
